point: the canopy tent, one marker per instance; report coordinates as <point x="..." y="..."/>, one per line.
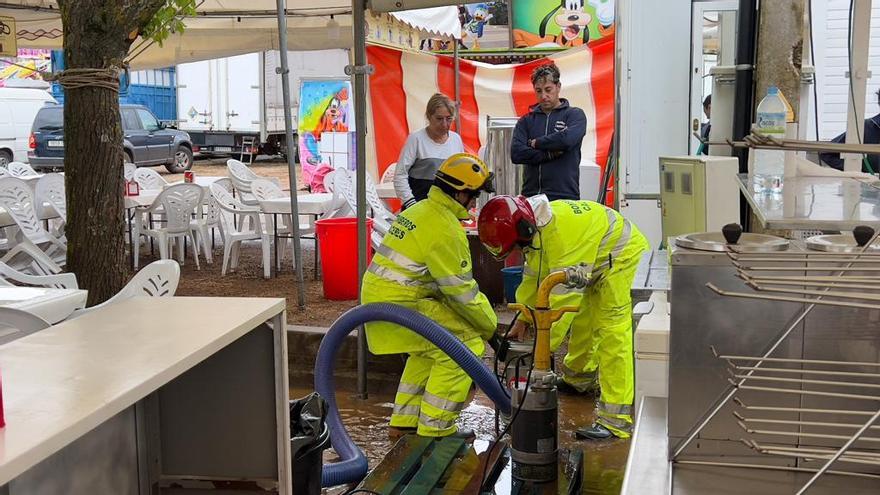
<point x="231" y="27"/>
<point x="223" y="28"/>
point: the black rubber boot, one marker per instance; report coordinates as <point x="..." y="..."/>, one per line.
<point x="594" y="432"/>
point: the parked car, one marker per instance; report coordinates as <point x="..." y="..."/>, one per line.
<point x="146" y="141"/>
<point x="18" y="106"/>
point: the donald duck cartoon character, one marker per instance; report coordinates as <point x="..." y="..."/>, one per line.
<point x="474" y="27"/>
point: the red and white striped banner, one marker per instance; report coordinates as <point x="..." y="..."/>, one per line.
<point x="403" y="82"/>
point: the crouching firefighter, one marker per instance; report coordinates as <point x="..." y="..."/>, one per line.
<point x="424" y="263"/>
<point x="587" y="236"/>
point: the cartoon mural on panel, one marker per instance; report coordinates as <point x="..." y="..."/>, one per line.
<point x="324" y="106"/>
<point x="562" y="23"/>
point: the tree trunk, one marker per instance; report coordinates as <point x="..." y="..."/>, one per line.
<point x="97" y="34"/>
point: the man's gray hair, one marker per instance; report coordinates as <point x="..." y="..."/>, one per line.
<point x="547" y="71"/>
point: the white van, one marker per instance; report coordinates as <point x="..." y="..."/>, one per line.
<point x="18" y="106"/>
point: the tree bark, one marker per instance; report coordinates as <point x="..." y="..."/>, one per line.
<point x="97" y="34"/>
<point x="780" y="51"/>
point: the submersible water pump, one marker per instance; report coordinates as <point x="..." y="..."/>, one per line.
<point x="535" y="429"/>
<point x="534" y="400"/>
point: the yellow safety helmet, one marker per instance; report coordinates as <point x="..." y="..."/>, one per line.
<point x="465" y="172"/>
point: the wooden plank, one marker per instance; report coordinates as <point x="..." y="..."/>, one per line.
<point x="398" y="465"/>
<point x="473" y="488"/>
<point x="445" y="451"/>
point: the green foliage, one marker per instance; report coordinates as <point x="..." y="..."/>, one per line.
<point x="169" y="19"/>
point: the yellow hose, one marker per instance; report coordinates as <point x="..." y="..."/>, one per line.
<point x="544" y="317"/>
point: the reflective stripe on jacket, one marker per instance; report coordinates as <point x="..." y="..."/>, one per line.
<point x="424" y="263"/>
<point x="581" y="233"/>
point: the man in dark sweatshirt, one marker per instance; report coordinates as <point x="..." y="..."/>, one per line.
<point x="870" y="135"/>
<point x="547" y="140"/>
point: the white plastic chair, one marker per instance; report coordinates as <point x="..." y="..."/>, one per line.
<point x="241" y="222"/>
<point x="15" y="324"/>
<point x="242" y="176"/>
<point x="18" y="169"/>
<point x="148" y="178"/>
<point x="382" y="216"/>
<point x="264" y="189"/>
<point x="202" y="225"/>
<point x="344" y="184"/>
<point x="128" y="170"/>
<point x="158" y="279"/>
<point x="59" y="281"/>
<point x="50" y="191"/>
<point x="17" y="199"/>
<point x="179" y="203"/>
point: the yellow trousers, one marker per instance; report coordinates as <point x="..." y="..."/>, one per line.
<point x="432" y="392"/>
<point x="601" y="344"/>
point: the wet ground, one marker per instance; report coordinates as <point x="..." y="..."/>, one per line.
<point x="367" y="422"/>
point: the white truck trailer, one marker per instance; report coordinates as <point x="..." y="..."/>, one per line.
<point x="227" y="103"/>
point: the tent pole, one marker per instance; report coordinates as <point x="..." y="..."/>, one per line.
<point x="360" y="111"/>
<point x="455" y="59"/>
<point x="291" y="168"/>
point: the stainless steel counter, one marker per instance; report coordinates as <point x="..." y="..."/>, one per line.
<point x="815" y="203"/>
<point x="649" y="472"/>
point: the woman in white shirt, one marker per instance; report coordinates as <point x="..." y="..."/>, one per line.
<point x="425" y="150"/>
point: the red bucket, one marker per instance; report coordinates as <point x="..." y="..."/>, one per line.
<point x="337" y="238"/>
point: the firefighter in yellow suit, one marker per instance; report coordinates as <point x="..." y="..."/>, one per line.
<point x="597" y="240"/>
<point x="424" y="263"/>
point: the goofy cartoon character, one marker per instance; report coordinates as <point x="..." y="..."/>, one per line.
<point x="334" y="118"/>
<point x="572" y="21"/>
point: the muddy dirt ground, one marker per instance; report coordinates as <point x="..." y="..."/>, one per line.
<point x="248" y="280"/>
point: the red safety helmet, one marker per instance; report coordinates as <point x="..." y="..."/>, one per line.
<point x="505" y="223"/>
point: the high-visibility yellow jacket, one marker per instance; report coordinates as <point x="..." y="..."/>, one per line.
<point x="579" y="233"/>
<point x="424" y="263"/>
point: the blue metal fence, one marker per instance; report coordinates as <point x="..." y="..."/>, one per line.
<point x="156" y="89"/>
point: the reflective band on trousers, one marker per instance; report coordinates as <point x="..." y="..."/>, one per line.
<point x="441" y="403"/>
<point x="527" y="271"/>
<point x="439" y="424"/>
<point x="408" y="388"/>
<point x="582" y="375"/>
<point x="455" y="280"/>
<point x="402" y="260"/>
<point x="466" y="297"/>
<point x="406" y="410"/>
<point x="393" y="276"/>
<point x="619" y="424"/>
<point x="614" y="408"/>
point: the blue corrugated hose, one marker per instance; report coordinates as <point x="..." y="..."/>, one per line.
<point x="353" y="464"/>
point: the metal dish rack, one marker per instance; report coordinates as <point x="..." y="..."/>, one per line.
<point x="846" y="434"/>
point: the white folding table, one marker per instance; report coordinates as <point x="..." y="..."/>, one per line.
<point x="314" y="204"/>
<point x="148" y="394"/>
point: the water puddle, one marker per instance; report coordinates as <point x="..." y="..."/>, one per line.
<point x="367" y="420"/>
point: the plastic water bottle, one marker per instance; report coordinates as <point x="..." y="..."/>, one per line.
<point x="769" y="165"/>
